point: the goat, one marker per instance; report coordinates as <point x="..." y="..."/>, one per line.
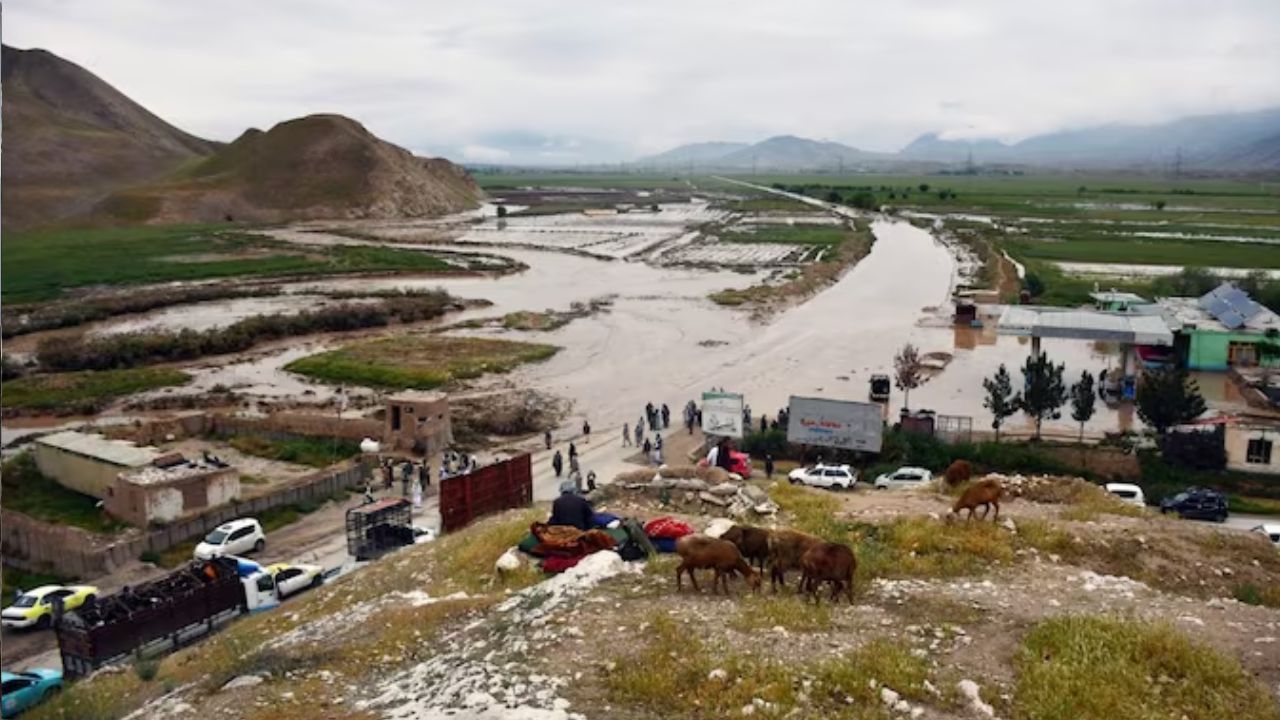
<point x="828" y="562"/>
<point x="699" y="551"/>
<point x="786" y="547"/>
<point x="983" y="492"/>
<point x="958" y="473"/>
<point x="752" y="542"/>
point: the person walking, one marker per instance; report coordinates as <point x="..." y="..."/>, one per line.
<point x="406" y="474"/>
<point x="666" y="416"/>
<point x="586" y="431"/>
<point x="573" y="464"/>
<point x="546" y="438"/>
<point x="648" y="447"/>
<point x="368" y="492"/>
<point x="639" y="431"/>
<point x="768" y="466"/>
<point x="424" y="474"/>
<point x="626" y="435"/>
<point x="557" y="463"/>
<point x="417" y="494"/>
<point x="591" y="481"/>
<point x="573" y="450"/>
<point x="388" y="476"/>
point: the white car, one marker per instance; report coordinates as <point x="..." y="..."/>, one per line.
<point x="1128" y="492"/>
<point x="825" y="476"/>
<point x="295" y="578"/>
<point x="236" y="537"/>
<point x="1272" y="531"/>
<point x="904" y="477"/>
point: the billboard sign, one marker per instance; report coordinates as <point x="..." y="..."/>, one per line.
<point x="722" y="414"/>
<point x="835" y="423"/>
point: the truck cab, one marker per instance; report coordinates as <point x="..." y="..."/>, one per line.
<point x="259" y="585"/>
<point x="880" y="386"/>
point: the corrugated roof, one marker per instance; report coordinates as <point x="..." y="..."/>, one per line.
<point x="1084" y="325"/>
<point x="1120" y="297"/>
<point x="93" y="445"/>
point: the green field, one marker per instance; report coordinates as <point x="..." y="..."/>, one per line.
<point x="547" y="178"/>
<point x="420" y="362"/>
<point x="42" y="265"/>
<point x="1149" y="252"/>
<point x="825" y="235"/>
<point x="29" y="492"/>
<point x="83" y="392"/>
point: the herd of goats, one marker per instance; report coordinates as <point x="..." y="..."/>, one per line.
<point x="782" y="550"/>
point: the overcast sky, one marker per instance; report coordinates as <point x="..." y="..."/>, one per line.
<point x="530" y="80"/>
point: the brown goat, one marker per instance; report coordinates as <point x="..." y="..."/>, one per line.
<point x="752" y="542"/>
<point x="700" y="551"/>
<point x="983" y="492"/>
<point x="832" y="563"/>
<point x="958" y="473"/>
<point x="786" y="547"/>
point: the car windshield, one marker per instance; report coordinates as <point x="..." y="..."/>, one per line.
<point x="1125" y="493"/>
<point x="216" y="537"/>
<point x="1180" y="497"/>
<point x="26" y="601"/>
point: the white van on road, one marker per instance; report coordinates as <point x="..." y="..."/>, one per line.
<point x="1128" y="492"/>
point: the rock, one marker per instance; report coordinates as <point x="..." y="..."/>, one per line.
<point x="748" y="709"/>
<point x="889" y="697"/>
<point x="713" y="499"/>
<point x="718" y="674"/>
<point x="242" y="681"/>
<point x="969" y="690"/>
<point x="508" y="562"/>
<point x="724" y="490"/>
<point x="1009" y="525"/>
<point x="917" y="712"/>
<point x="754" y="494"/>
<point x="902" y="706"/>
<point x="765" y="508"/>
<point x="661" y="483"/>
<point x="690" y="484"/>
<point x="718" y="527"/>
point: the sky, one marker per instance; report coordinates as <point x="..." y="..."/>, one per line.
<point x="539" y="82"/>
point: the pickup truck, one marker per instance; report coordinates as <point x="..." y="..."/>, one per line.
<point x="163" y="614"/>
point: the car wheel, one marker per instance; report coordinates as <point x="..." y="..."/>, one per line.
<point x="90" y="600"/>
<point x="44" y="622"/>
<point x="794" y="481"/>
<point x="258" y="546"/>
<point x="1222" y="517"/>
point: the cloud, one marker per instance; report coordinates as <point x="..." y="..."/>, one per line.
<point x="484" y="153"/>
<point x="626" y="79"/>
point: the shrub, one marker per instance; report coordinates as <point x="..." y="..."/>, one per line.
<point x="146" y="669"/>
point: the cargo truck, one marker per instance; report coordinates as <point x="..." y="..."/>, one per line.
<point x="163" y="614"/>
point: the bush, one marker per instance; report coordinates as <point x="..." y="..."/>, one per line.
<point x="1195" y="449"/>
<point x="146" y="669"/>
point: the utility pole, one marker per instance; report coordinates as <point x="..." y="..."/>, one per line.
<point x="968" y="163"/>
<point x="1177" y="163"/>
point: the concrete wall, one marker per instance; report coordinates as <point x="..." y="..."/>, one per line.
<point x="82" y="474"/>
<point x="38" y="546"/>
<point x="425" y="423"/>
<point x="163" y="504"/>
<point x="1237" y="439"/>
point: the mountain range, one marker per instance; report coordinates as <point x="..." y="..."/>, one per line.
<point x="1231" y="142"/>
<point x="77" y="150"/>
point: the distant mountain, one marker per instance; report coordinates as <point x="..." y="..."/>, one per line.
<point x="697" y="153"/>
<point x="70" y="139"/>
<point x="319" y="166"/>
<point x="1231" y="142"/>
<point x="784" y="152"/>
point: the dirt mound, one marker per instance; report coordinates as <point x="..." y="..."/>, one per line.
<point x="70" y="139"/>
<point x="319" y="166"/>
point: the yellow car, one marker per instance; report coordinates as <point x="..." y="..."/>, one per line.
<point x="34" y="608"/>
<point x="295" y="578"/>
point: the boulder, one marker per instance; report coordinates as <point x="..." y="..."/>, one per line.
<point x="724" y="490"/>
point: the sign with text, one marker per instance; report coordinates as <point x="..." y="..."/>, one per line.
<point x="722" y="414"/>
<point x="835" y="423"/>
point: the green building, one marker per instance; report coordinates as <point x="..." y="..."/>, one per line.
<point x="1221" y="329"/>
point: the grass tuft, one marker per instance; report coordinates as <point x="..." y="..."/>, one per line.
<point x="1101" y="668"/>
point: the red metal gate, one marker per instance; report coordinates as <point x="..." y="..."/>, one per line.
<point x="504" y="485"/>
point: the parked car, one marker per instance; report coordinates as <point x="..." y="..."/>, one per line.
<point x="291" y="578"/>
<point x="904" y="477"/>
<point x="24" y="690"/>
<point x="1272" y="531"/>
<point x="236" y="537"/>
<point x="35" y="607"/>
<point x="1128" y="492"/>
<point x="825" y="476"/>
<point x="1197" y="503"/>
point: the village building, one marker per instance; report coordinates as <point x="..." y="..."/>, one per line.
<point x="1221" y="329"/>
<point x="1252" y="445"/>
<point x="88" y="463"/>
<point x="418" y="422"/>
<point x="171" y="488"/>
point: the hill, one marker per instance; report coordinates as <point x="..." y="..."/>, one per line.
<point x="319" y="166"/>
<point x="697" y="153"/>
<point x="70" y="139"/>
<point x="1242" y="142"/>
<point x="783" y="152"/>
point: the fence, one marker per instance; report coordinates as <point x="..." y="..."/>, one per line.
<point x="953" y="428"/>
<point x="38" y="546"/>
<point x="508" y="484"/>
<point x="279" y="426"/>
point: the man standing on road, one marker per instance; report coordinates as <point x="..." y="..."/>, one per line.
<point x="406" y="474"/>
<point x="639" y="431"/>
<point x="546" y="438"/>
<point x="768" y="466"/>
<point x="586" y="431"/>
<point x="557" y="463"/>
<point x="666" y="416"/>
<point x="626" y="435"/>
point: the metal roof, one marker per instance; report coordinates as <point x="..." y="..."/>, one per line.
<point x="97" y="447"/>
<point x="1112" y="296"/>
<point x="1046" y="322"/>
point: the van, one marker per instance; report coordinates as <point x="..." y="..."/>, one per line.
<point x="1128" y="492"/>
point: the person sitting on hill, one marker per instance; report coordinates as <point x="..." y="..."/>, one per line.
<point x="571" y="508"/>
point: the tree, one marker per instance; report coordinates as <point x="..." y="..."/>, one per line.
<point x="1043" y="392"/>
<point x="833" y="196"/>
<point x="1168" y="397"/>
<point x="1000" y="400"/>
<point x="1082" y="400"/>
<point x="1033" y="285"/>
<point x="908" y="372"/>
<point x="1159" y="204"/>
<point x="924" y="187"/>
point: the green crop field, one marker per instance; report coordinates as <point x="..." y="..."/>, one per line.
<point x="828" y="235"/>
<point x="1148" y="251"/>
<point x="420" y="362"/>
<point x="42" y="265"/>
